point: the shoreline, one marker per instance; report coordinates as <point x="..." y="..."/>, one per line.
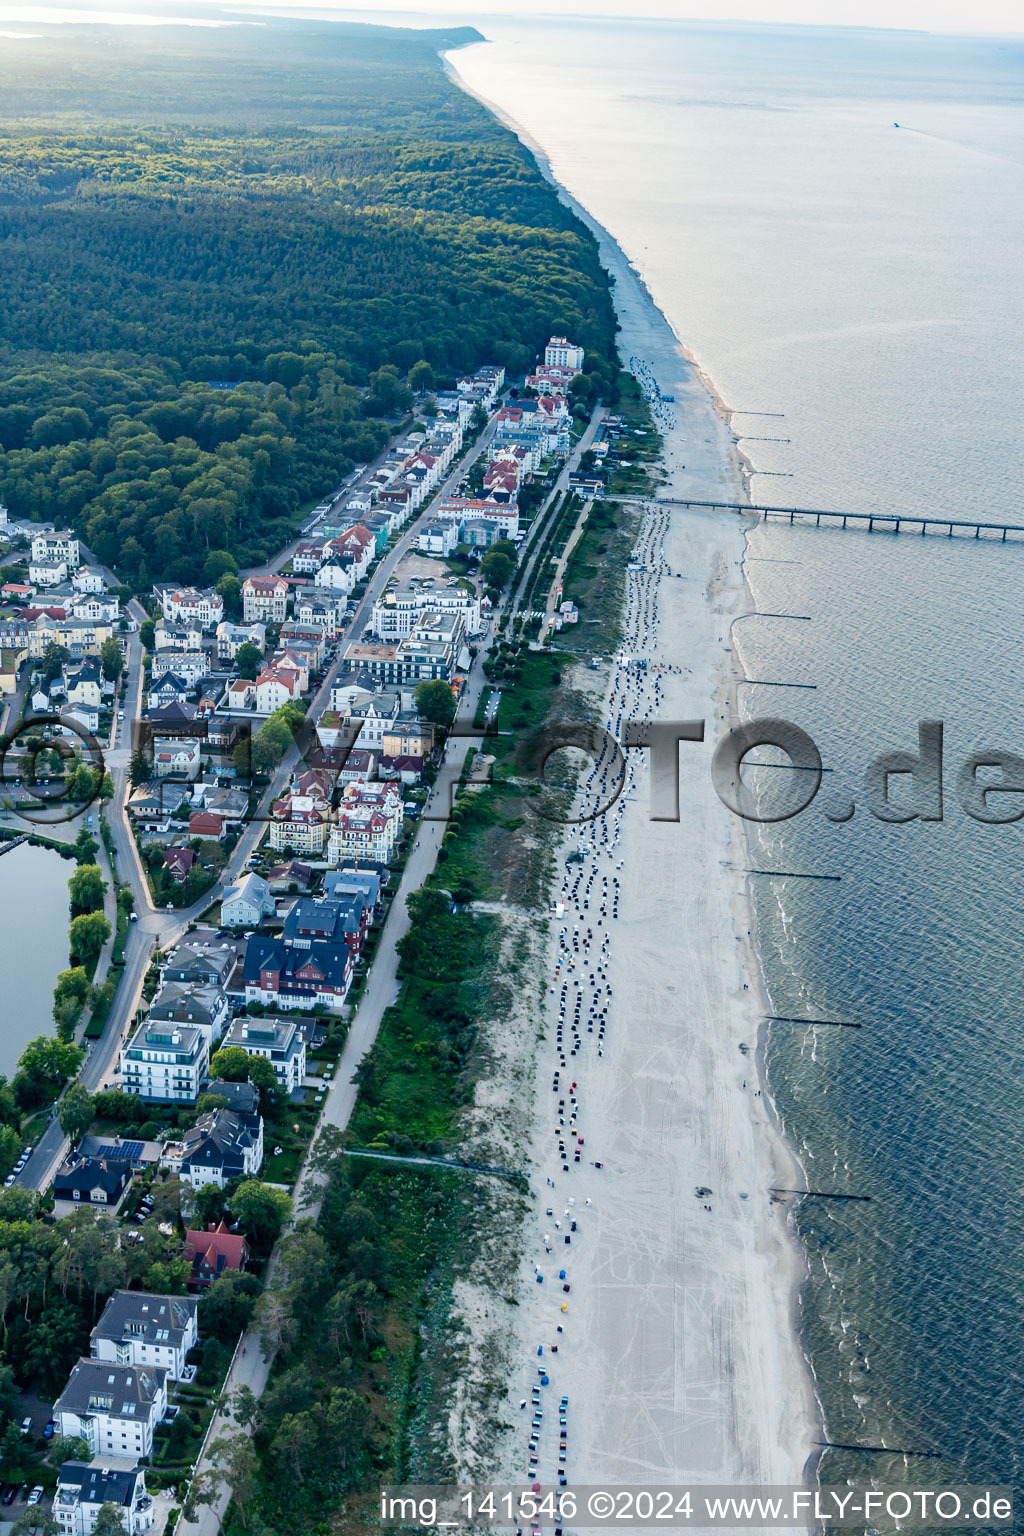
<point x="783" y="1265"/>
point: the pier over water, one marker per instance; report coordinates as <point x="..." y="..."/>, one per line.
<point x="866" y="522"/>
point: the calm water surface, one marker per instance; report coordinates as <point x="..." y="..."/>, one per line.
<point x="862" y="280"/>
<point x="34" y="919"/>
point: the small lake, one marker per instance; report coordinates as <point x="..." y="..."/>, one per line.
<point x="34" y="918"/>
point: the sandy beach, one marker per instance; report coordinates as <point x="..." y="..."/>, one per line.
<point x="679" y="1349"/>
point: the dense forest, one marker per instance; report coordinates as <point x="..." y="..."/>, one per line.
<point x="222" y="253"/>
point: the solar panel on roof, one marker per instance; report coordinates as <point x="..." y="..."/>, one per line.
<point x="127" y="1152"/>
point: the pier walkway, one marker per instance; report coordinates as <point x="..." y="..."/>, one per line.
<point x="867" y="522"/>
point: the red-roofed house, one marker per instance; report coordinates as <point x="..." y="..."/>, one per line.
<point x="179" y="861"/>
<point x="276" y="686"/>
<point x="206" y="824"/>
<point x="212" y="1252"/>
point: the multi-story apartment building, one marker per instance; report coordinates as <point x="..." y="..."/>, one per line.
<point x="190" y="605"/>
<point x="84" y="1488"/>
<point x="57" y="546"/>
<point x="562" y="353"/>
<point x="278" y="1041"/>
<point x="299" y="822"/>
<point x="165" y="1062"/>
<point x="138" y="1328"/>
<point x="265" y="598"/>
<point x="113" y="1408"/>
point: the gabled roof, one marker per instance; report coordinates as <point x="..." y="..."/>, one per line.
<point x="215" y="1251"/>
<point x="133" y="1391"/>
<point x="220" y="1139"/>
<point x="330" y="959"/>
<point x="99" y="1484"/>
<point x="88" y="1173"/>
<point x="151" y="1319"/>
<point x="253" y="889"/>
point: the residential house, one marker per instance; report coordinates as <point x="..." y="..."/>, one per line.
<point x="205" y="958"/>
<point x="245" y="904"/>
<point x="88" y="579"/>
<point x="279" y="1041"/>
<point x="299" y="822"/>
<point x="84" y="684"/>
<point x="227" y="801"/>
<point x="438" y="538"/>
<point x="113" y="1408"/>
<point x="84" y="1487"/>
<point x="95" y="606"/>
<point x="293" y="658"/>
<point x="408" y="737"/>
<point x="206" y="824"/>
<point x="188" y="605"/>
<point x="276" y="686"/>
<point x="338" y="919"/>
<point x="308" y="556"/>
<point x="138" y="1328"/>
<point x="86" y="716"/>
<point x="51" y="545"/>
<point x="395" y="615"/>
<point x="175" y="713"/>
<point x="169" y="688"/>
<point x="265" y="598"/>
<point x="165" y="1062"/>
<point x="205" y="1007"/>
<point x="409" y="770"/>
<point x="351" y="880"/>
<point x="318" y="610"/>
<point x="241" y="694"/>
<point x="308" y="640"/>
<point x="292" y="876"/>
<point x="335" y="576"/>
<point x="222" y="1145"/>
<point x="243" y="1098"/>
<point x="297" y="970"/>
<point x="177" y="756"/>
<point x="152" y="805"/>
<point x="189" y="666"/>
<point x="120" y="1149"/>
<point x="361" y="832"/>
<point x="90" y="1183"/>
<point x="231" y="637"/>
<point x="180" y="862"/>
<point x="213" y="1252"/>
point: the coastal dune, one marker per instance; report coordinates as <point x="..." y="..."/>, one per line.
<point x="680" y="1353"/>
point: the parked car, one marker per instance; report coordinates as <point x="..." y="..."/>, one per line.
<point x="9" y="1181"/>
<point x="48" y="1429"/>
<point x="10" y="1493"/>
<point x="35" y="1495"/>
<point x="26" y="1426"/>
